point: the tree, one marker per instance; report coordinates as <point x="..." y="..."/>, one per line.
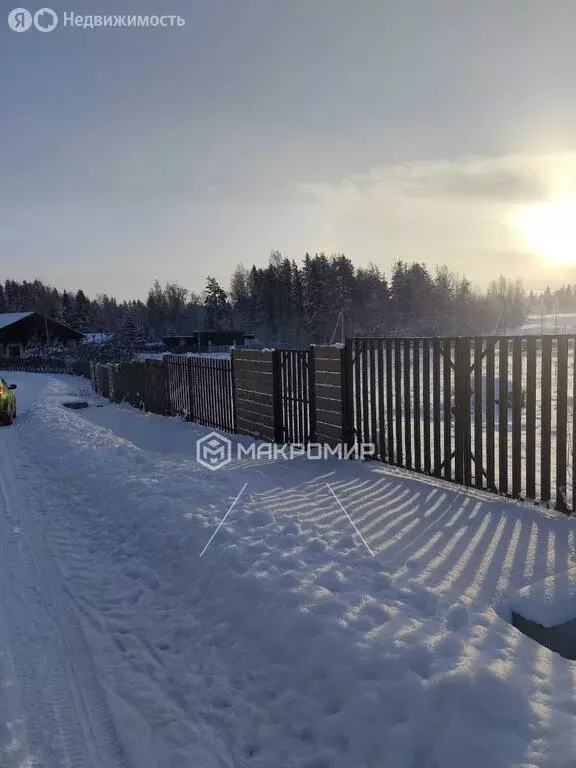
<point x="216" y="305"/>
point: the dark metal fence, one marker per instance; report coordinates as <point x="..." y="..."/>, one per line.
<point x="43" y="365"/>
<point x="496" y="413"/>
<point x="201" y="389"/>
<point x="141" y="384"/>
<point x="294" y="391"/>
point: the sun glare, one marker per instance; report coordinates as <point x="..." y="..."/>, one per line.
<point x="549" y="230"/>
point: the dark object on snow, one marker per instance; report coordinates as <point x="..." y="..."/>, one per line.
<point x="76" y="404"/>
<point x="561" y="638"/>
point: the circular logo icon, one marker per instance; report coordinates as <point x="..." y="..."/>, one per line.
<point x="19" y="20"/>
<point x="45" y="20"/>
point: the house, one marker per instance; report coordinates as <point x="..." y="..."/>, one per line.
<point x="97" y="339"/>
<point x="18" y="329"/>
<point x="189" y="339"/>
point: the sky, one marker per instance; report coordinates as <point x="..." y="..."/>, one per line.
<point x="417" y="130"/>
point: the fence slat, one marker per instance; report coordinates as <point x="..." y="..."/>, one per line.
<point x="381" y="445"/>
<point x="459" y="409"/>
<point x="531" y="417"/>
<point x="358" y="364"/>
<point x="503" y="415"/>
<point x="447" y="404"/>
<point x="490" y="403"/>
<point x="426" y="403"/>
<point x="561" y="421"/>
<point x="573" y="466"/>
<point x="417" y="405"/>
<point x="478" y="412"/>
<point x="517" y="417"/>
<point x="466" y="413"/>
<point x="389" y="402"/>
<point x="365" y="392"/>
<point x="407" y="404"/>
<point x="436" y="407"/>
<point x="312" y="395"/>
<point x="398" y="400"/>
<point x="373" y="394"/>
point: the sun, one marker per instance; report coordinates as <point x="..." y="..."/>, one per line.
<point x="549" y="230"/>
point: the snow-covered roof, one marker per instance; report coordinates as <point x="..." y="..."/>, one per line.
<point x="9" y="318"/>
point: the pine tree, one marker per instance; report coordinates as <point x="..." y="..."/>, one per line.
<point x="216" y="305"/>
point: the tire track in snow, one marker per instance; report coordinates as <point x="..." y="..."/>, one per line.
<point x="51" y="689"/>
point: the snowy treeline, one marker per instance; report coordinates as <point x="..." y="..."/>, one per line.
<point x="563" y="300"/>
<point x="288" y="302"/>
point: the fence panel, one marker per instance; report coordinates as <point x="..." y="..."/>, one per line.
<point x="179" y="401"/>
<point x="212" y="392"/>
<point x="295" y="394"/>
<point x="496" y="413"/>
<point x="34" y="365"/>
<point x="255" y="387"/>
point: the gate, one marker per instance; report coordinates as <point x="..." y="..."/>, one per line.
<point x="295" y="412"/>
<point x="496" y="413"/>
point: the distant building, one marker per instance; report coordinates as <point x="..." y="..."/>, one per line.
<point x="97" y="338"/>
<point x="188" y="339"/>
<point x="18" y="329"/>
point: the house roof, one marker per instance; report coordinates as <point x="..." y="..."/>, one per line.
<point x="9" y="318"/>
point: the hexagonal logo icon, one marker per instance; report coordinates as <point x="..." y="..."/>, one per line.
<point x="45" y="20"/>
<point x="214" y="451"/>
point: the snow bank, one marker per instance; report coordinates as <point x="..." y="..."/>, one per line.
<point x="286" y="643"/>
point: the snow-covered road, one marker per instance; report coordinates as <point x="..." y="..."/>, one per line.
<point x="286" y="644"/>
<point x="52" y="707"/>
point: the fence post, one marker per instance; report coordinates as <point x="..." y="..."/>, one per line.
<point x="190" y="388"/>
<point x="347" y="395"/>
<point x="112" y="388"/>
<point x="312" y="394"/>
<point x="233" y="376"/>
<point x="277" y="396"/>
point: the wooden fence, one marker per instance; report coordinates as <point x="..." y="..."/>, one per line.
<point x="194" y="389"/>
<point x="496" y="413"/>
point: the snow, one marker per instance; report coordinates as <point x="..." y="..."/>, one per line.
<point x="285" y="644"/>
<point x="8" y="318"/>
<point x="537" y="325"/>
<point x="204" y="355"/>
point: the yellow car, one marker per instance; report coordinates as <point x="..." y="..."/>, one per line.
<point x="7" y="402"/>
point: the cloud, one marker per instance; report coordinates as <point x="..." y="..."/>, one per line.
<point x="510" y="179"/>
<point x="454" y="211"/>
